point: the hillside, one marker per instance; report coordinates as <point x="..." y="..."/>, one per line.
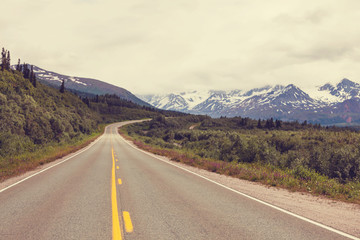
<point x="85" y="86"/>
<point x="36" y="119"/>
<point x="326" y="104"/>
<point x="39" y="115"/>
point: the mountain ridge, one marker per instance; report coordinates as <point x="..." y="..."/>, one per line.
<point x="84" y="86"/>
<point x="326" y="104"/>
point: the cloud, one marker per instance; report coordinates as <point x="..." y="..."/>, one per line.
<point x="328" y="53"/>
<point x="162" y="46"/>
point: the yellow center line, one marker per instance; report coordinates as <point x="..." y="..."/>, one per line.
<point x="115" y="213"/>
<point x="119" y="181"/>
<point x="127" y="220"/>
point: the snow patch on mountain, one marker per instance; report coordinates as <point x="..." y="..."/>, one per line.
<point x="194" y="98"/>
<point x="329" y="94"/>
<point x="282" y="102"/>
<point x="323" y="96"/>
<point x="51" y="76"/>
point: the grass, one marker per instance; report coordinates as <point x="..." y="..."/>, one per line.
<point x="299" y="179"/>
<point x="20" y="164"/>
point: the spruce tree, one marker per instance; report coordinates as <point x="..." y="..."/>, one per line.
<point x="86" y="101"/>
<point x="270" y="123"/>
<point x="31" y="73"/>
<point x="7" y="66"/>
<point x="32" y="76"/>
<point x="18" y="66"/>
<point x="278" y="123"/>
<point x="259" y="123"/>
<point x="26" y="71"/>
<point x="3" y="59"/>
<point x="34" y="81"/>
<point x="62" y="87"/>
<point x="304" y="124"/>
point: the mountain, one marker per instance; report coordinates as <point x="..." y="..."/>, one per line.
<point x="184" y="101"/>
<point x="277" y="102"/>
<point x="344" y="90"/>
<point x="325" y="104"/>
<point x="84" y="86"/>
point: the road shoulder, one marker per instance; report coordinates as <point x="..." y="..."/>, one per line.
<point x="336" y="214"/>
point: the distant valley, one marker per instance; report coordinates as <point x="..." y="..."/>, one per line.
<point x="327" y="104"/>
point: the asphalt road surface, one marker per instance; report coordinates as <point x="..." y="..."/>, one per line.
<point x="113" y="191"/>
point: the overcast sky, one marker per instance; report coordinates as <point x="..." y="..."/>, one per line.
<point x="161" y="46"/>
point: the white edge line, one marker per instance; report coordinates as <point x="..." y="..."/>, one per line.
<point x="66" y="159"/>
<point x="248" y="196"/>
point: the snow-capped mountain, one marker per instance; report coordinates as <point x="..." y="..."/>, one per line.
<point x="326" y="104"/>
<point x="214" y="103"/>
<point x="170" y="102"/>
<point x="344" y="90"/>
<point x="278" y="101"/>
<point x="184" y="101"/>
<point x="84" y="86"/>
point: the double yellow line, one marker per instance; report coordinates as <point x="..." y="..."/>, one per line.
<point x="115" y="213"/>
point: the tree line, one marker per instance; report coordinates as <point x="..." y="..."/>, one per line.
<point x="27" y="70"/>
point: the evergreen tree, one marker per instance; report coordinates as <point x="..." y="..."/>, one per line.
<point x="62" y="87"/>
<point x="32" y="76"/>
<point x="86" y="101"/>
<point x="31" y="73"/>
<point x="18" y="66"/>
<point x="3" y="59"/>
<point x="270" y="123"/>
<point x="26" y="71"/>
<point x="259" y="123"/>
<point x="34" y="81"/>
<point x="244" y="121"/>
<point x="7" y="66"/>
<point x="277" y="123"/>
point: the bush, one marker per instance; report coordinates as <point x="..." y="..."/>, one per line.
<point x="334" y="152"/>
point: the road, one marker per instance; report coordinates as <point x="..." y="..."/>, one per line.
<point x="112" y="190"/>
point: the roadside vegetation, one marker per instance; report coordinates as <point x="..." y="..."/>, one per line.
<point x="296" y="156"/>
<point x="39" y="123"/>
<point x="16" y="164"/>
